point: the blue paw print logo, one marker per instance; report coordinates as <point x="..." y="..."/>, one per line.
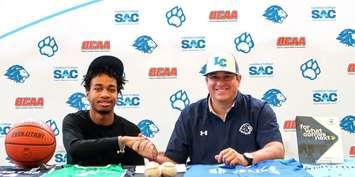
<point x="203" y="69"/>
<point x="53" y="125"/>
<point x="244" y="43"/>
<point x="175" y="17"/>
<point x="78" y="101"/>
<point x="348" y="124"/>
<point x="17" y="73"/>
<point x="179" y="100"/>
<point x="48" y="46"/>
<point x="148" y="128"/>
<point x="346" y="37"/>
<point x="310" y="69"/>
<point x="145" y="44"/>
<point x="275" y="14"/>
<point x="274" y="97"/>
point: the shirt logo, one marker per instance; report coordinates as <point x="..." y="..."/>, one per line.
<point x="246" y="129"/>
<point x="203" y="133"/>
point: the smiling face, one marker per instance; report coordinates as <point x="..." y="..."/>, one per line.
<point x="102" y="94"/>
<point x="222" y="86"/>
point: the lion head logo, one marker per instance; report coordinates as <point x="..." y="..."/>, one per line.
<point x="274" y="97"/>
<point x="145" y="44"/>
<point x="275" y="14"/>
<point x="17" y="73"/>
<point x="77" y="100"/>
<point x="347" y="124"/>
<point x="148" y="128"/>
<point x="346" y="38"/>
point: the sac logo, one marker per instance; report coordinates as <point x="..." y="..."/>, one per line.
<point x="223" y="15"/>
<point x="325" y="97"/>
<point x="323" y="13"/>
<point x="193" y="43"/>
<point x="29" y="102"/>
<point x="65" y="73"/>
<point x="261" y="70"/>
<point x="128" y="17"/>
<point x="60" y="157"/>
<point x="128" y="101"/>
<point x="291" y="42"/>
<point x="4" y="129"/>
<point x="95" y="46"/>
<point x="162" y="72"/>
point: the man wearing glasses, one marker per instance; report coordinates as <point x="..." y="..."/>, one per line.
<point x="226" y="127"/>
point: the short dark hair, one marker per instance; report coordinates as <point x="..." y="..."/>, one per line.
<point x="109" y="65"/>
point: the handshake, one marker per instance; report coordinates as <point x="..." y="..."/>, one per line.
<point x="153" y="169"/>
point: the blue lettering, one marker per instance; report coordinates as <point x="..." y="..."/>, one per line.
<point x="261" y="70"/>
<point x="69" y="74"/>
<point x="188" y="44"/>
<point x="323" y="14"/>
<point x="4" y="130"/>
<point x="325" y="97"/>
<point x="60" y="158"/>
<point x="126" y="17"/>
<point x="128" y="101"/>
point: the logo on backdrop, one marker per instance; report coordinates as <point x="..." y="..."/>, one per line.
<point x="323" y="13"/>
<point x="29" y="102"/>
<point x="261" y="70"/>
<point x="346" y="37"/>
<point x="4" y="129"/>
<point x="48" y="46"/>
<point x="223" y="16"/>
<point x="148" y="128"/>
<point x="351" y="68"/>
<point x="95" y="46"/>
<point x="274" y="97"/>
<point x="179" y="100"/>
<point x="244" y="43"/>
<point x="175" y="16"/>
<point x="348" y="124"/>
<point x="197" y="43"/>
<point x="127" y="17"/>
<point x="78" y="101"/>
<point x="325" y="96"/>
<point x="53" y="125"/>
<point x="275" y="14"/>
<point x="310" y="69"/>
<point x="128" y="101"/>
<point x="162" y="73"/>
<point x="60" y="157"/>
<point x="203" y="69"/>
<point x="65" y="73"/>
<point x="291" y="42"/>
<point x="289" y="125"/>
<point x="17" y="73"/>
<point x="145" y="44"/>
<point x="246" y="129"/>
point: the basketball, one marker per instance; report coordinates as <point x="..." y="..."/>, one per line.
<point x="30" y="144"/>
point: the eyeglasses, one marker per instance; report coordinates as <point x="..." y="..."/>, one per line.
<point x="226" y="77"/>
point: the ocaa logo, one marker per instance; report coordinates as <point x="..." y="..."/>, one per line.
<point x="346" y="37"/>
<point x="179" y="100"/>
<point x="17" y="73"/>
<point x="351" y="68"/>
<point x="162" y="72"/>
<point x="291" y="42"/>
<point x="78" y="101"/>
<point x="60" y="157"/>
<point x="65" y="73"/>
<point x="4" y="129"/>
<point x="148" y="128"/>
<point x="348" y="123"/>
<point x="274" y="97"/>
<point x="95" y="46"/>
<point x="127" y="17"/>
<point x="193" y="43"/>
<point x="323" y="13"/>
<point x="145" y="44"/>
<point x="275" y="14"/>
<point x="29" y="102"/>
<point x="325" y="96"/>
<point x="223" y="15"/>
<point x="261" y="70"/>
<point x="128" y="101"/>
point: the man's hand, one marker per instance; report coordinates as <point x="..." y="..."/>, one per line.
<point x="142" y="145"/>
<point x="230" y="156"/>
